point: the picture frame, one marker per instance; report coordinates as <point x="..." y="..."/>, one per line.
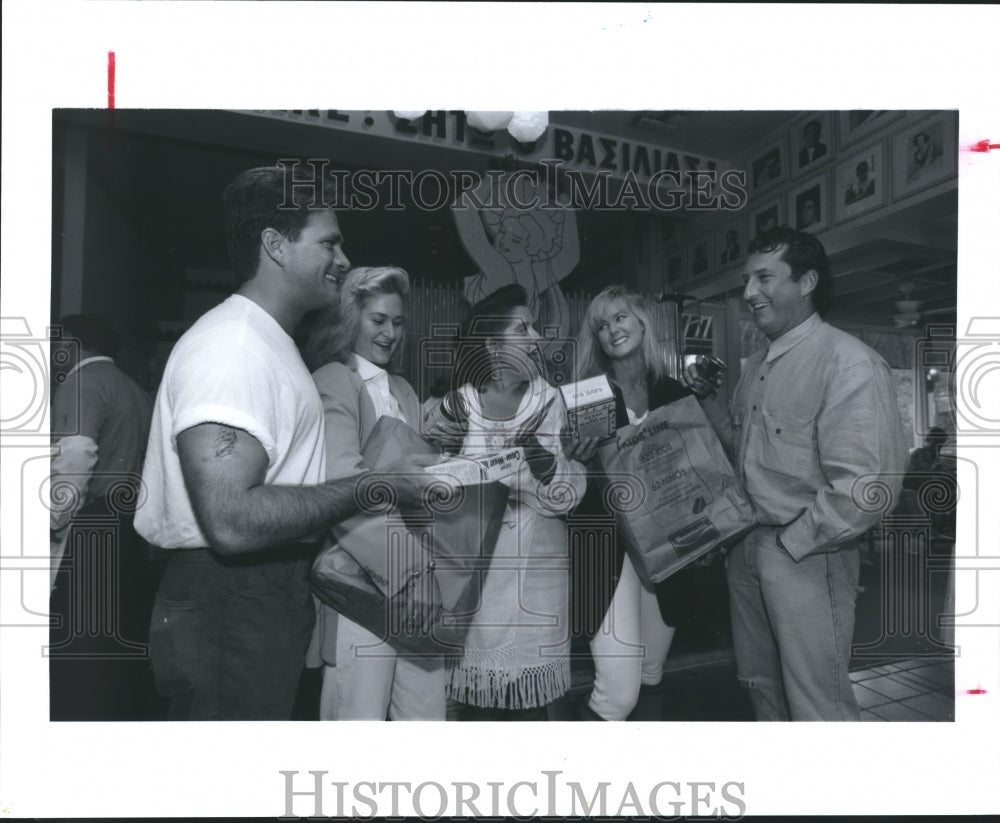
<point x="768" y="216"/>
<point x="768" y="166"/>
<point x="730" y="245"/>
<point x="924" y="153"/>
<point x="701" y="257"/>
<point x="856" y="124"/>
<point x="812" y="142"/>
<point x="809" y="205"/>
<point x="676" y="271"/>
<point x="668" y="233"/>
<point x="859" y="183"/>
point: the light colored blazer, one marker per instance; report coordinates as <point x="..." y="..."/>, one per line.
<point x="349" y="419"/>
<point x="350" y="414"/>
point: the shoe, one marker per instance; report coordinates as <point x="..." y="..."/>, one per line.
<point x="586" y="713"/>
<point x="649" y="706"/>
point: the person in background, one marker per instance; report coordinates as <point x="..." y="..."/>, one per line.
<point x="515" y="660"/>
<point x="235" y="465"/>
<point x="363" y="676"/>
<point x="928" y="457"/>
<point x="100" y="423"/>
<point x="927" y="466"/>
<point x="813" y="427"/>
<point x="630" y="634"/>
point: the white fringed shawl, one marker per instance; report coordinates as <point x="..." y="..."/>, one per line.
<point x="516" y="653"/>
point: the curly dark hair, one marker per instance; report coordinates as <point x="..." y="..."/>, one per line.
<point x="802" y="252"/>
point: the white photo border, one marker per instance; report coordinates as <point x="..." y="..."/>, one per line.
<point x="208" y="55"/>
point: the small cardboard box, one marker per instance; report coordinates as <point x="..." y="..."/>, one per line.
<point x="590" y="407"/>
<point x="484" y="468"/>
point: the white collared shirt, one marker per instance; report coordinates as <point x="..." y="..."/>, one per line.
<point x="377" y="384"/>
<point x="815" y="418"/>
<point x="792" y="337"/>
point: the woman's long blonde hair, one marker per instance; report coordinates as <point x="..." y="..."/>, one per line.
<point x="336" y="329"/>
<point x="590" y="357"/>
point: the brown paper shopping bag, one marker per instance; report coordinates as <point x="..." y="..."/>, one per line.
<point x="385" y="548"/>
<point x="674" y="494"/>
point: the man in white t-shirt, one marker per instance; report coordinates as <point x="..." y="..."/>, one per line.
<point x="235" y="465"/>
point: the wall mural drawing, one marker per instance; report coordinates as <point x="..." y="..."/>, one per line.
<point x="535" y="247"/>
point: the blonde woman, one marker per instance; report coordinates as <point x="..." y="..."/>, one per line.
<point x="351" y="350"/>
<point x="630" y="636"/>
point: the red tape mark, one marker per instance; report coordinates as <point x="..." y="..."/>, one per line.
<point x="984" y="145"/>
<point x="975" y="691"/>
<point x="111" y="79"/>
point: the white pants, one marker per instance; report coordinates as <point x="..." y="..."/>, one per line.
<point x="371" y="678"/>
<point x="629" y="649"/>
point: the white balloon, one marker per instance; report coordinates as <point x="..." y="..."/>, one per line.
<point x="528" y="126"/>
<point x="488" y="120"/>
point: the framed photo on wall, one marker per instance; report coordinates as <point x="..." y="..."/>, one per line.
<point x="923" y="154"/>
<point x="859" y="183"/>
<point x="808" y="205"/>
<point x="675" y="271"/>
<point x="812" y="141"/>
<point x="730" y="245"/>
<point x="767" y="167"/>
<point x="701" y="257"/>
<point x="766" y="217"/>
<point x="857" y="123"/>
<point x="668" y="232"/>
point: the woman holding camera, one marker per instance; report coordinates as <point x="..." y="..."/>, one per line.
<point x="629" y="623"/>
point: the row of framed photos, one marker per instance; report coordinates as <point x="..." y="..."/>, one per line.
<point x="920" y="155"/>
<point x="809" y="144"/>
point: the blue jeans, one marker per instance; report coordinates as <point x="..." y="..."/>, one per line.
<point x="793" y="623"/>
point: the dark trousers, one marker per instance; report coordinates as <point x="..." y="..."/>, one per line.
<point x="228" y="635"/>
<point x="100" y="607"/>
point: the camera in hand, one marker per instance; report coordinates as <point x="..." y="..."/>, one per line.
<point x="702" y="376"/>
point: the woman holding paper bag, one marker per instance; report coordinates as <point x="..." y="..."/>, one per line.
<point x="515" y="659"/>
<point x="363" y="676"/>
<point x="631" y="643"/>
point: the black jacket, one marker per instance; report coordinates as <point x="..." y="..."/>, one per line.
<point x="598" y="554"/>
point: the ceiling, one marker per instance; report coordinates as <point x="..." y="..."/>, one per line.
<point x="873" y="276"/>
<point x="167" y="168"/>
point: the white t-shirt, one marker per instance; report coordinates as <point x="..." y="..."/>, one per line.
<point x="238" y="367"/>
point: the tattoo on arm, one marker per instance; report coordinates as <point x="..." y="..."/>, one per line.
<point x="225" y="443"/>
<point x="237" y="511"/>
